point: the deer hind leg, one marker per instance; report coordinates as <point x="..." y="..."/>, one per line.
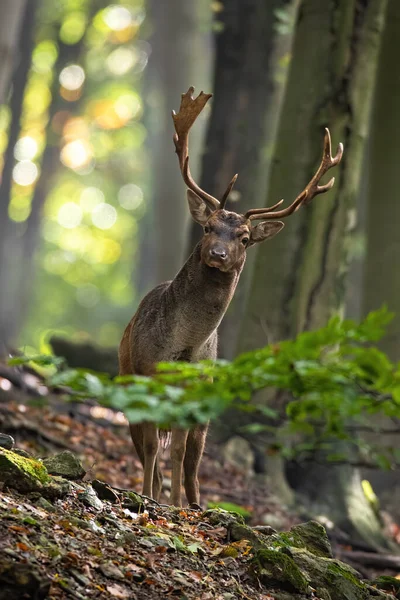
<point x="137" y="438"/>
<point x="194" y="451"/>
<point x="150" y="451"/>
<point x="178" y="448"/>
<point x="157" y="481"/>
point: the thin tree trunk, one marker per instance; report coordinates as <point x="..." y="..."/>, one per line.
<point x="252" y="56"/>
<point x="299" y="277"/>
<point x="12" y="15"/>
<point x="8" y="229"/>
<point x="177" y="46"/>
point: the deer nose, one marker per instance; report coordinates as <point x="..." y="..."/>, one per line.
<point x="218" y="253"/>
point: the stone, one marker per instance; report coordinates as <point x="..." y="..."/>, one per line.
<point x="104" y="491"/>
<point x="218" y="516"/>
<point x="66" y="465"/>
<point x="90" y="498"/>
<point x="23" y="474"/>
<point x="22" y="453"/>
<point x="6" y="441"/>
<point x="111" y="571"/>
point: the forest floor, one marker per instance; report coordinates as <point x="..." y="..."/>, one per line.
<point x="84" y="545"/>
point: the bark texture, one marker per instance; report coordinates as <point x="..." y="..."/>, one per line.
<point x="252" y="55"/>
<point x="9" y="231"/>
<point x="299" y="277"/>
<point x="381" y="276"/>
<point x="12" y="14"/>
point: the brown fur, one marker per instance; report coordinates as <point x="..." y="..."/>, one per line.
<point x="178" y="320"/>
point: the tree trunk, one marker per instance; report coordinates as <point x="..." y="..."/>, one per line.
<point x="177" y="46"/>
<point x="12" y="14"/>
<point x="381" y="272"/>
<point x="252" y="56"/>
<point x="382" y="275"/>
<point x="8" y="229"/>
<point x="331" y="82"/>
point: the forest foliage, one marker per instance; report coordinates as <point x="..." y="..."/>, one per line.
<point x="334" y="380"/>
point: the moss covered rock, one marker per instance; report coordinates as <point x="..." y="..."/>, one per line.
<point x="311" y="535"/>
<point x="65" y="464"/>
<point x="300" y="561"/>
<point x="29" y="475"/>
<point x="277" y="569"/>
<point x="219" y="516"/>
<point x="23" y="474"/>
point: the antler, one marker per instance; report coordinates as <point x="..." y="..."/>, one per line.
<point x="311" y="190"/>
<point x="188" y="112"/>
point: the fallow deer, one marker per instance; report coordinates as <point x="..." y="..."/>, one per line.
<point x="178" y="319"/>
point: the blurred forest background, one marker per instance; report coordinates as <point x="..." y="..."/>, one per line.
<point x="92" y="207"/>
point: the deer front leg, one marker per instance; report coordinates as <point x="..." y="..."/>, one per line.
<point x="178" y="449"/>
<point x="194" y="451"/>
<point x="150" y="451"/>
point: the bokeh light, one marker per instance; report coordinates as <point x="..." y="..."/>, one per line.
<point x="26" y="148"/>
<point x="25" y="173"/>
<point x="130" y="196"/>
<point x="76" y="154"/>
<point x="90" y="197"/>
<point x="69" y="215"/>
<point x="72" y="77"/>
<point x="104" y="216"/>
<point x="117" y="18"/>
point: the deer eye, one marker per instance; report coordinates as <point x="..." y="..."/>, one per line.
<point x="207" y="229"/>
<point x="245" y="241"/>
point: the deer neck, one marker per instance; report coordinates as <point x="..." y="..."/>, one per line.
<point x="201" y="295"/>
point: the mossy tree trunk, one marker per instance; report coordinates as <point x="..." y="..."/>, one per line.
<point x="299" y="277"/>
<point x="381" y="272"/>
<point x="381" y="266"/>
<point x="253" y="43"/>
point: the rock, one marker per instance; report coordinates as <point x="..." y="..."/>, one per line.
<point x="23" y="474"/>
<point x="22" y="453"/>
<point x="19" y="581"/>
<point x="45" y="504"/>
<point x="275" y="567"/>
<point x="111" y="571"/>
<point x="238" y="531"/>
<point x="265" y="529"/>
<point x="313" y="537"/>
<point x="6" y="441"/>
<point x="218" y="516"/>
<point x="90" y="498"/>
<point x="66" y="465"/>
<point x="237" y="451"/>
<point x="104" y="491"/>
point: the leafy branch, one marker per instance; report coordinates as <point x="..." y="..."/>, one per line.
<point x="335" y="382"/>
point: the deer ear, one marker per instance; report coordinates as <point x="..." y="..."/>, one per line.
<point x="265" y="230"/>
<point x="198" y="208"/>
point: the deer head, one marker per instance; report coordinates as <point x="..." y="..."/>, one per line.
<point x="227" y="234"/>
